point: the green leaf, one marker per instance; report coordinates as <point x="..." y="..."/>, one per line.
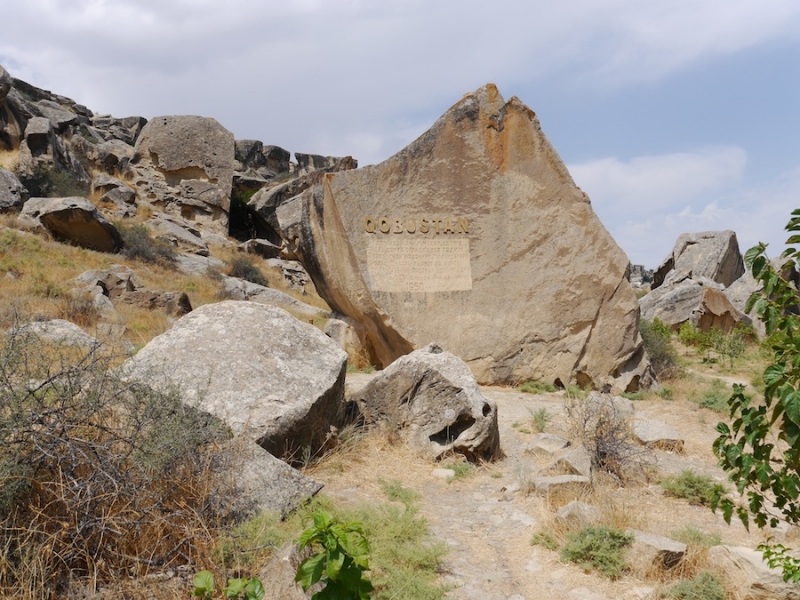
<point x="203" y="584"/>
<point x="310" y="570"/>
<point x="255" y="589"/>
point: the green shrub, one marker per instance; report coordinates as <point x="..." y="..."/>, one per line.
<point x="138" y="245"/>
<point x="704" y="586"/>
<point x="600" y="548"/>
<point x="243" y="267"/>
<point x="697" y="489"/>
<point x="537" y="387"/>
<point x="545" y="540"/>
<point x="714" y="397"/>
<point x="657" y="340"/>
<point x="49" y="182"/>
<point x="462" y="469"/>
<point x="539" y="419"/>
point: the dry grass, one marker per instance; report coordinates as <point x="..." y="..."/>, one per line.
<point x="9" y="159"/>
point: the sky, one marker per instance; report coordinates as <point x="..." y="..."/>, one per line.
<point x="672" y="115"/>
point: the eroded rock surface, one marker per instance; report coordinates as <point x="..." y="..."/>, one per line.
<point x="711" y="254"/>
<point x="266" y="374"/>
<point x="73" y="220"/>
<point x="431" y="396"/>
<point x="475" y="236"/>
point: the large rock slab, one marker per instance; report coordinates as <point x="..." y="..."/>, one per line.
<point x="711" y="254"/>
<point x="475" y="236"/>
<point x="699" y="301"/>
<point x="432" y="397"/>
<point x="750" y="576"/>
<point x="73" y="220"/>
<point x="184" y="166"/>
<point x="270" y="377"/>
<point x="650" y="551"/>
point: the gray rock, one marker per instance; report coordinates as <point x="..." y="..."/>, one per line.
<point x="561" y="484"/>
<point x="58" y="331"/>
<point x="6" y="82"/>
<point x="579" y="513"/>
<point x="658" y="434"/>
<point x="750" y="576"/>
<point x="240" y="289"/>
<point x="547" y="444"/>
<point x="248" y="480"/>
<point x="73" y="220"/>
<point x="618" y="406"/>
<point x="270" y="377"/>
<point x="711" y="254"/>
<point x="262" y="248"/>
<point x="184" y="165"/>
<point x="575" y="461"/>
<point x="116" y="193"/>
<point x="193" y="264"/>
<point x="314" y="162"/>
<point x="654" y="551"/>
<point x="12" y="193"/>
<point x="350" y="335"/>
<point x="179" y="232"/>
<point x="431" y="396"/>
<point x="277" y="576"/>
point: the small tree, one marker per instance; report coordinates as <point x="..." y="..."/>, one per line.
<point x="760" y="448"/>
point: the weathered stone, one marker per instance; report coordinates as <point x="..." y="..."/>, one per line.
<point x="750" y="576"/>
<point x="184" y="165"/>
<point x="351" y="337"/>
<point x="561" y="484"/>
<point x="650" y="551"/>
<point x="5" y="83"/>
<point x="658" y="434"/>
<point x="700" y="301"/>
<point x="575" y="461"/>
<point x="579" y="513"/>
<point x="58" y="331"/>
<point x="179" y="232"/>
<point x="262" y="248"/>
<point x="248" y="480"/>
<point x="619" y="407"/>
<point x="73" y="220"/>
<point x="119" y="195"/>
<point x="547" y="444"/>
<point x="240" y="289"/>
<point x="476" y="236"/>
<point x="711" y="254"/>
<point x="314" y="162"/>
<point x="277" y="576"/>
<point x="193" y="264"/>
<point x="266" y="374"/>
<point x="12" y="193"/>
<point x="431" y="396"/>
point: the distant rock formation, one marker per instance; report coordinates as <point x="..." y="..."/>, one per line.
<point x="711" y="254"/>
<point x="474" y="236"/>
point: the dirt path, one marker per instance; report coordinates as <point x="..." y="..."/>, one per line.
<point x="488" y="526"/>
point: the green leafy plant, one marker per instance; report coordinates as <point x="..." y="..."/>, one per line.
<point x="598" y="548"/>
<point x="697" y="489"/>
<point x="536" y="387"/>
<point x="704" y="586"/>
<point x="237" y="589"/>
<point x="760" y="447"/>
<point x="544" y="539"/>
<point x="339" y="559"/>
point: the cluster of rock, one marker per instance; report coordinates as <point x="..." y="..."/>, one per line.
<point x="702" y="282"/>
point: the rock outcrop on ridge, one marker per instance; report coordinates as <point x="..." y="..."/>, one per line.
<point x="475" y="236"/>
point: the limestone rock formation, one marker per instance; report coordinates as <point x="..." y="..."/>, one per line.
<point x="750" y="576"/>
<point x="12" y="193"/>
<point x="184" y="166"/>
<point x="73" y="220"/>
<point x="432" y="397"/>
<point x="697" y="300"/>
<point x="270" y="377"/>
<point x="711" y="254"/>
<point x="475" y="236"/>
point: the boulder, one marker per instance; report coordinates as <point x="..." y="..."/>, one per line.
<point x="179" y="232"/>
<point x="575" y="461"/>
<point x="116" y="194"/>
<point x="277" y="576"/>
<point x="240" y="289"/>
<point x="184" y="166"/>
<point x="193" y="264"/>
<point x="711" y="254"/>
<point x="547" y="444"/>
<point x="5" y="83"/>
<point x="616" y="406"/>
<point x="262" y="248"/>
<point x="749" y="576"/>
<point x="561" y="484"/>
<point x="58" y="331"/>
<point x="12" y="193"/>
<point x="270" y="377"/>
<point x="314" y="162"/>
<point x="248" y="480"/>
<point x="73" y="220"/>
<point x="351" y="337"/>
<point x="650" y="551"/>
<point x="431" y="396"/>
<point x="658" y="435"/>
<point x="579" y="513"/>
<point x="699" y="301"/>
<point x="476" y="236"/>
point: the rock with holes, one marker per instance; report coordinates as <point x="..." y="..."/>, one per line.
<point x="184" y="166"/>
<point x="270" y="377"/>
<point x="475" y="236"/>
<point x="72" y="220"/>
<point x="711" y="254"/>
<point x="433" y="399"/>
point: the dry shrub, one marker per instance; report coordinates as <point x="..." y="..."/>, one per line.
<point x="597" y="423"/>
<point x="99" y="479"/>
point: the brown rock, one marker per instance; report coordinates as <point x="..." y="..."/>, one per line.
<point x="711" y="254"/>
<point x="476" y="236"/>
<point x="73" y="220"/>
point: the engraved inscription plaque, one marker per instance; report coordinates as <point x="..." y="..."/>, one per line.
<point x="419" y="265"/>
